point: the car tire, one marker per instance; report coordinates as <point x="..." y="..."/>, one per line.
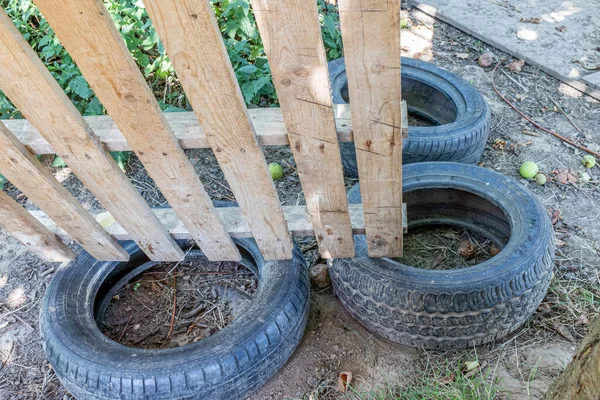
<point x="457" y="308"/>
<point x="460" y="115"/>
<point x="229" y="364"/>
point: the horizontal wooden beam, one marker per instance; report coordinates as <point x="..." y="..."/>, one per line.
<point x="296" y="216"/>
<point x="268" y="123"/>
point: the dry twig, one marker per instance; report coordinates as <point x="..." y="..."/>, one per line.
<point x="564" y="139"/>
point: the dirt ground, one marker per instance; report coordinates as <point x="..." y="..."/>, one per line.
<point x="520" y="366"/>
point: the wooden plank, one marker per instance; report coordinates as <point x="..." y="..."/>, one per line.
<point x="38" y="239"/>
<point x="297" y="218"/>
<point x="86" y="30"/>
<point x="268" y="124"/>
<point x="188" y="30"/>
<point x="24" y="171"/>
<point x="291" y="35"/>
<point x="33" y="90"/>
<point x="371" y="35"/>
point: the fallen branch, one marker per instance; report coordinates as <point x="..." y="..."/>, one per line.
<point x="564" y="139"/>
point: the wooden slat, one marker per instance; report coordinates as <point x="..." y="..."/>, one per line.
<point x="371" y="35"/>
<point x="33" y="90"/>
<point x="24" y="171"/>
<point x="291" y="35"/>
<point x="86" y="30"/>
<point x="297" y="218"/>
<point x="268" y="124"/>
<point x="188" y="30"/>
<point x="19" y="223"/>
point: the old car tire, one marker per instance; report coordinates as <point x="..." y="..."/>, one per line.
<point x="229" y="364"/>
<point x="460" y="115"/>
<point x="457" y="308"/>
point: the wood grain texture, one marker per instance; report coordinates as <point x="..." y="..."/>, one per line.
<point x="371" y="35"/>
<point x="268" y="124"/>
<point x="297" y="218"/>
<point x="24" y="171"/>
<point x="188" y="30"/>
<point x="86" y="30"/>
<point x="291" y="35"/>
<point x="33" y="90"/>
<point x="38" y="239"/>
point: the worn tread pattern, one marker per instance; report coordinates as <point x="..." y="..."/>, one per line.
<point x="243" y="362"/>
<point x="462" y="141"/>
<point x="405" y="306"/>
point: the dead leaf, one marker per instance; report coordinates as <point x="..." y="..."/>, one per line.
<point x="467" y="249"/>
<point x="561" y="28"/>
<point x="471" y="365"/>
<point x="564" y="332"/>
<point x="554" y="215"/>
<point x="516" y="66"/>
<point x="521" y="96"/>
<point x="475" y="370"/>
<point x="494" y="250"/>
<point x="462" y="56"/>
<point x="447" y="379"/>
<point x="535" y="20"/>
<point x="344" y="380"/>
<point x="583" y="320"/>
<point x="562" y="177"/>
<point x="4" y="324"/>
<point x="560" y="243"/>
<point x="155" y="287"/>
<point x="499" y="144"/>
<point x="544" y="307"/>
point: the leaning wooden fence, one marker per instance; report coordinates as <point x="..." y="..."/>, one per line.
<point x="307" y="121"/>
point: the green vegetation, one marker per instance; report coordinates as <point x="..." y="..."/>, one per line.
<point x="238" y="28"/>
<point x="240" y="34"/>
<point x="452" y="380"/>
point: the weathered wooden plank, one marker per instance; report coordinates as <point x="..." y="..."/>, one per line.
<point x="33" y="90"/>
<point x="86" y="30"/>
<point x="19" y="223"/>
<point x="297" y="218"/>
<point x="268" y="124"/>
<point x="24" y="171"/>
<point x="371" y="35"/>
<point x="291" y="35"/>
<point x="188" y="30"/>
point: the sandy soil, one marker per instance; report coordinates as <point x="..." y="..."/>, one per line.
<point x="523" y="364"/>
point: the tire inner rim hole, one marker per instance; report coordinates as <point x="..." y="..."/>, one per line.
<point x="452" y="229"/>
<point x="427" y="106"/>
<point x="156" y="305"/>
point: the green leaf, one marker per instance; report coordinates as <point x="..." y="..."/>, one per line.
<point x="2" y="181"/>
<point x="94" y="107"/>
<point x="58" y="162"/>
<point x="80" y="87"/>
<point x="121" y="157"/>
<point x="260" y="83"/>
<point x="247" y="69"/>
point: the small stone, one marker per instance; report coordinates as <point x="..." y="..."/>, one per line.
<point x="319" y="275"/>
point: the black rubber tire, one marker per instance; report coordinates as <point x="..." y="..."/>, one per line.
<point x="459" y="308"/>
<point x="229" y="364"/>
<point x="460" y="113"/>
